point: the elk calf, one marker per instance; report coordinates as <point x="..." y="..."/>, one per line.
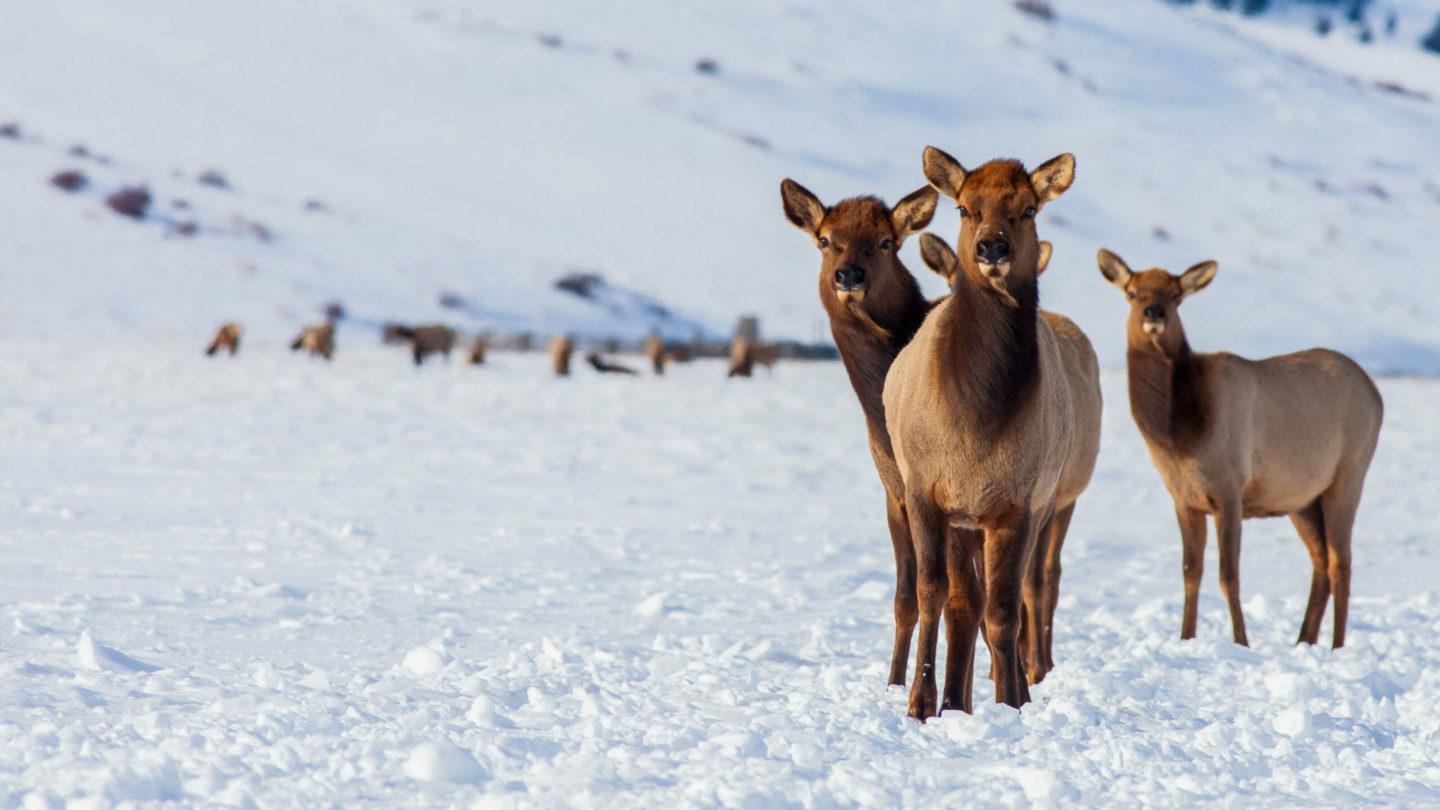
<point x="318" y="340"/>
<point x="1235" y="438"/>
<point x="227" y="338"/>
<point x="874" y="307"/>
<point x="1082" y="371"/>
<point x="560" y="349"/>
<point x="982" y="417"/>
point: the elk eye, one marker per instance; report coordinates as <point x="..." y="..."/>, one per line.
<point x="1029" y="214"/>
<point x="964" y="212"/>
<point x="884" y="244"/>
<point x="824" y="242"/>
<point x="1130" y="293"/>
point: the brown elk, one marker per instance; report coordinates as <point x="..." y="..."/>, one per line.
<point x="318" y="340"/>
<point x="227" y="338"/>
<point x="427" y="340"/>
<point x="1236" y="438"/>
<point x="655" y="353"/>
<point x="983" y="422"/>
<point x="1041" y="592"/>
<point x="742" y="357"/>
<point x="560" y="349"/>
<point x="477" y="350"/>
<point x="875" y="307"/>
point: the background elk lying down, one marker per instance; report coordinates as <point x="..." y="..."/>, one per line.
<point x="1236" y="438"/>
<point x="227" y="338"/>
<point x="982" y="417"/>
<point x="875" y="307"/>
<point x="319" y="339"/>
<point x="603" y="366"/>
<point x="1042" y="580"/>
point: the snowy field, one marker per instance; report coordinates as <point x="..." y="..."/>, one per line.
<point x="271" y="582"/>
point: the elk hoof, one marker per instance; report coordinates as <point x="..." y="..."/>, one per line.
<point x="922" y="707"/>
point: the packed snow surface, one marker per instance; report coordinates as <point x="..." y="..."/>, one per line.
<point x="275" y="582"/>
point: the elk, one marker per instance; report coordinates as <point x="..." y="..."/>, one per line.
<point x="1041" y="592"/>
<point x="655" y="352"/>
<point x="874" y="306"/>
<point x="427" y="340"/>
<point x="1236" y="438"/>
<point x="767" y="355"/>
<point x="605" y="367"/>
<point x="560" y="349"/>
<point x="477" y="350"/>
<point x="227" y="338"/>
<point x="982" y="418"/>
<point x="318" y="340"/>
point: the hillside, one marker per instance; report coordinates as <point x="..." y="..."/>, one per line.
<point x="487" y="149"/>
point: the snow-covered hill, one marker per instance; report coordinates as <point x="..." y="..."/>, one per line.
<point x="485" y="149"/>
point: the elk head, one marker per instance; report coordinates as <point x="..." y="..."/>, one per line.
<point x="940" y="257"/>
<point x="859" y="239"/>
<point x="997" y="202"/>
<point x="1155" y="297"/>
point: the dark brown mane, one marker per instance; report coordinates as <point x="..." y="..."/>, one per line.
<point x="868" y="345"/>
<point x="992" y="348"/>
<point x="1167" y="397"/>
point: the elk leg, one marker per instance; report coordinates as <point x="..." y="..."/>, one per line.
<point x="1339" y="512"/>
<point x="1007" y="549"/>
<point x="931" y="587"/>
<point x="980" y="577"/>
<point x="962" y="619"/>
<point x="1032" y="618"/>
<point x="907" y="610"/>
<point x="1192" y="538"/>
<point x="1310" y="524"/>
<point x="1227" y="536"/>
<point x="1059" y="527"/>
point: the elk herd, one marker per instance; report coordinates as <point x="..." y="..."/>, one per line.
<point x="983" y="413"/>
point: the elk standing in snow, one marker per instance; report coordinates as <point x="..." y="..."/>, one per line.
<point x="318" y="340"/>
<point x="1082" y="370"/>
<point x="477" y="350"/>
<point x="560" y="349"/>
<point x="982" y="418"/>
<point x="428" y="340"/>
<point x="655" y="352"/>
<point x="227" y="338"/>
<point x="874" y="307"/>
<point x="1235" y="438"/>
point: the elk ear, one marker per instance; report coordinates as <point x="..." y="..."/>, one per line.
<point x="1045" y="249"/>
<point x="1113" y="268"/>
<point x="945" y="173"/>
<point x="1053" y="177"/>
<point x="802" y="208"/>
<point x="913" y="213"/>
<point x="1195" y="279"/>
<point x="937" y="255"/>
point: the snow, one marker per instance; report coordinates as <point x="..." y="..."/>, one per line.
<point x="271" y="581"/>
<point x="363" y="584"/>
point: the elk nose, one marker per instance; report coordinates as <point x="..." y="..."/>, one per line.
<point x="1155" y="313"/>
<point x="849" y="277"/>
<point x="993" y="251"/>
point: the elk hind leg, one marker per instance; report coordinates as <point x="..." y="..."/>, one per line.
<point x="1310" y="524"/>
<point x="907" y="610"/>
<point x="1192" y="539"/>
<point x="1007" y="549"/>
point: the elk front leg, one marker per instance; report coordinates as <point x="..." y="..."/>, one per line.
<point x="1227" y="535"/>
<point x="1192" y="538"/>
<point x="1059" y="527"/>
<point x="962" y="618"/>
<point x="1310" y="524"/>
<point x="1007" y="550"/>
<point x="927" y="530"/>
<point x="1032" y="615"/>
<point x="907" y="610"/>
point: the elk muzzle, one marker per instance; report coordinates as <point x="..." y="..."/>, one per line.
<point x="1153" y="321"/>
<point x="993" y="256"/>
<point x="850" y="283"/>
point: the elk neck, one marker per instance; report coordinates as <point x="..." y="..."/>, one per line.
<point x="989" y="354"/>
<point x="1167" y="388"/>
<point x="870" y="335"/>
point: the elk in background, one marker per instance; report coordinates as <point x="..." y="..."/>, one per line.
<point x="1236" y="438"/>
<point x="605" y="367"/>
<point x="227" y="338"/>
<point x="875" y="307"/>
<point x="1041" y="593"/>
<point x="428" y="340"/>
<point x="980" y="411"/>
<point x="742" y="357"/>
<point x="477" y="350"/>
<point x="655" y="353"/>
<point x="318" y="340"/>
<point x="560" y="349"/>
